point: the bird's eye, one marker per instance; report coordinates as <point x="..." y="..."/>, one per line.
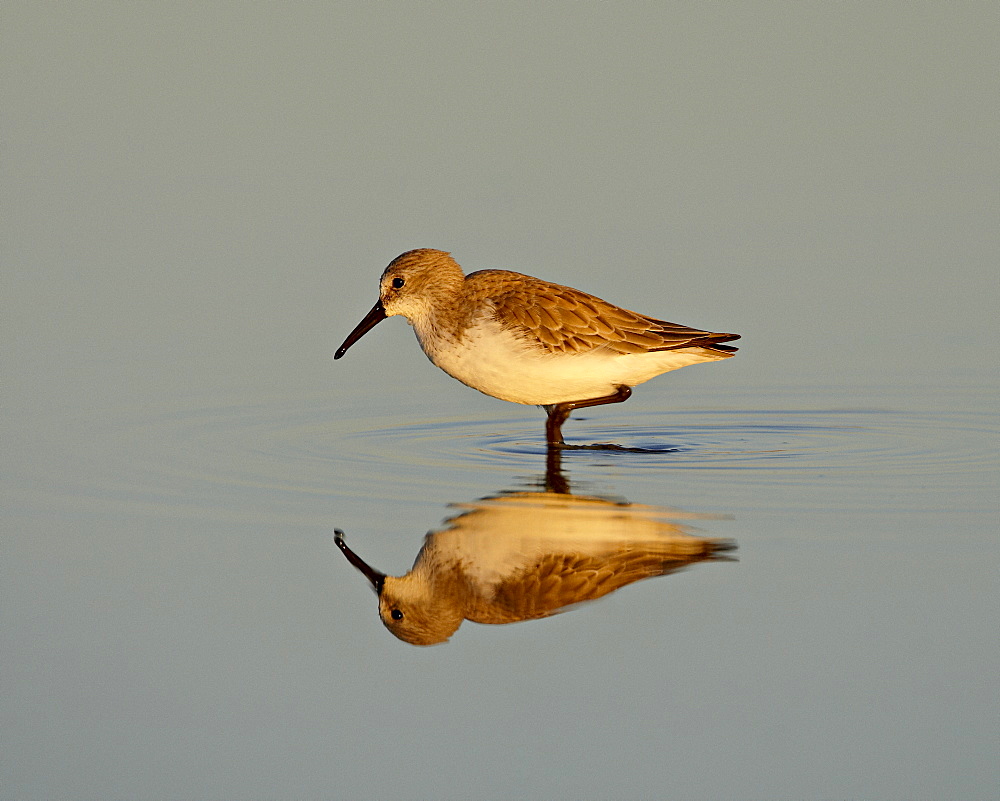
<point x="397" y="283"/>
<point x="395" y="613"/>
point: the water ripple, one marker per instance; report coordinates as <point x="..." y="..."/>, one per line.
<point x="914" y="443"/>
<point x="302" y="451"/>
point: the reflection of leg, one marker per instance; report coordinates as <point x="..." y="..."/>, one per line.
<point x="555" y="481"/>
<point x="559" y="412"/>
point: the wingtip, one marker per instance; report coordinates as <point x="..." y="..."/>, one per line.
<point x="714" y="341"/>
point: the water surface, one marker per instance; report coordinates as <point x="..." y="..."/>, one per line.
<point x="172" y="591"/>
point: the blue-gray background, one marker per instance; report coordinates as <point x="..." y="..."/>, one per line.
<point x="197" y="201"/>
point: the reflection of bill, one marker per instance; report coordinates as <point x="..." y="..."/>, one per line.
<point x="527" y="555"/>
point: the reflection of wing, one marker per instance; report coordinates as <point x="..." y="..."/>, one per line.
<point x="560" y="580"/>
<point x="567" y="320"/>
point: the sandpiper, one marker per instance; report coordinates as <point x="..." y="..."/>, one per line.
<point x="526" y="340"/>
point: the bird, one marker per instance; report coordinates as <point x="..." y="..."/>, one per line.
<point x="526" y="340"/>
<point x="525" y="555"/>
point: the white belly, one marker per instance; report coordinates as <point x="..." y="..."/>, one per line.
<point x="499" y="364"/>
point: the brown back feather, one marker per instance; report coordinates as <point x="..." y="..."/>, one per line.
<point x="566" y="320"/>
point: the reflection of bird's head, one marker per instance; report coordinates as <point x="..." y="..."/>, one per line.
<point x="410" y="609"/>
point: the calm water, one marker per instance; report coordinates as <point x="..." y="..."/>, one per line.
<point x="176" y="615"/>
<point x="195" y="207"/>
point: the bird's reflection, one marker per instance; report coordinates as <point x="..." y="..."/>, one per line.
<point x="524" y="555"/>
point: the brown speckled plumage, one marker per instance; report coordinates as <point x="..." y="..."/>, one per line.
<point x="566" y="320"/>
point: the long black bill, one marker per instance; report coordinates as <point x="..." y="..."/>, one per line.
<point x="373" y="318"/>
<point x="377" y="579"/>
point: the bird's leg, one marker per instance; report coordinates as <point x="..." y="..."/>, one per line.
<point x="559" y="412"/>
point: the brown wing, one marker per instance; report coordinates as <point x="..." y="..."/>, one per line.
<point x="560" y="580"/>
<point x="564" y="319"/>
